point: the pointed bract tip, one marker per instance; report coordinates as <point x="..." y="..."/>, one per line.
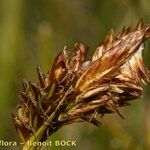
<point x="110" y="36"/>
<point x="140" y="24"/>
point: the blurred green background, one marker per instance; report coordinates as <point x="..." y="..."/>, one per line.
<point x="32" y="32"/>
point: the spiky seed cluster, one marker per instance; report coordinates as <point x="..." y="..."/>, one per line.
<point x="79" y="90"/>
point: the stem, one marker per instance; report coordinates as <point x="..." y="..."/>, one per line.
<point x="38" y="135"/>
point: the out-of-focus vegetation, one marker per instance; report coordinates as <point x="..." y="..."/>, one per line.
<point x="32" y="33"/>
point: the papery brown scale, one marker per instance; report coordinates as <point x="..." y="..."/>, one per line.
<point x="59" y="69"/>
<point x="110" y="61"/>
<point x="147" y="72"/>
<point x="99" y="51"/>
<point x="134" y="68"/>
<point x="91" y="92"/>
<point x="86" y="108"/>
<point x="103" y="46"/>
<point x="87" y="74"/>
<point x="143" y="73"/>
<point x="90" y="106"/>
<point x="128" y="85"/>
<point x="147" y="31"/>
<point x="110" y="37"/>
<point x="127" y="93"/>
<point x="78" y="57"/>
<point x="131" y="40"/>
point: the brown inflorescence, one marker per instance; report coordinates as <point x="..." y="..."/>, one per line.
<point x="76" y="89"/>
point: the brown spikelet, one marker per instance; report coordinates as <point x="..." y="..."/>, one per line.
<point x="76" y="89"/>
